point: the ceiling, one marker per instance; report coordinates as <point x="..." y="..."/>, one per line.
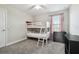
<point x="48" y="8"/>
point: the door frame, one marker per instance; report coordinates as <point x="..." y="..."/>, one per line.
<point x="4" y="29"/>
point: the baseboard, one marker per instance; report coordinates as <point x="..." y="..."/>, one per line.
<point x="15" y="42"/>
<point x="2" y="46"/>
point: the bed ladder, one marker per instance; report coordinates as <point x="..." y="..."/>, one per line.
<point x="43" y="39"/>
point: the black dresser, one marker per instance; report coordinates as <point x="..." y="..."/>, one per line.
<point x="62" y="37"/>
<point x="74" y="44"/>
<point x="59" y="37"/>
<point x="74" y="47"/>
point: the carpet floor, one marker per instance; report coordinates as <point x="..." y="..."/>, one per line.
<point x="29" y="46"/>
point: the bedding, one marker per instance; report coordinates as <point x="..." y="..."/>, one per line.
<point x="38" y="35"/>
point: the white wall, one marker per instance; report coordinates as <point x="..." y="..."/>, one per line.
<point x="74" y="20"/>
<point x="16" y="27"/>
<point x="66" y="20"/>
<point x="47" y="17"/>
<point x="42" y="18"/>
<point x="16" y="24"/>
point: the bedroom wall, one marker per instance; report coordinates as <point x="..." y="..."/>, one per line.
<point x="42" y="18"/>
<point x="47" y="17"/>
<point x="74" y="19"/>
<point x="66" y="20"/>
<point x="16" y="27"/>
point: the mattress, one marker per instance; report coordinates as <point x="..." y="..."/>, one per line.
<point x="38" y="35"/>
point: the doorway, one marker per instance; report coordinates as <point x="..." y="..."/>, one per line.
<point x="2" y="27"/>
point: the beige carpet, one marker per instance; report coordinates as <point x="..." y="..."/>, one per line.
<point x="29" y="47"/>
<point x="52" y="48"/>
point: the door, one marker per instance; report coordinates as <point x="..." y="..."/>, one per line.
<point x="2" y="27"/>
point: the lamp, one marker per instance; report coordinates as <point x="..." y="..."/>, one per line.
<point x="37" y="7"/>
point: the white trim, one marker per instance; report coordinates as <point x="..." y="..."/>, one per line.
<point x="6" y="32"/>
<point x="2" y="46"/>
<point x="15" y="42"/>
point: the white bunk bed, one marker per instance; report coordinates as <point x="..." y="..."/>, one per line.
<point x="44" y="35"/>
<point x="36" y="25"/>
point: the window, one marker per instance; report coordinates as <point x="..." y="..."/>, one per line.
<point x="57" y="23"/>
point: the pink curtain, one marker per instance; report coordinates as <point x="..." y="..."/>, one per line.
<point x="61" y="19"/>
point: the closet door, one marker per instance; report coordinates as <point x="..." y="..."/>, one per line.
<point x="2" y="27"/>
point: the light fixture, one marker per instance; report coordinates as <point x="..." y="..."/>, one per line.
<point x="37" y="7"/>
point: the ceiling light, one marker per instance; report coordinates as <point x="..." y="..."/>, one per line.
<point x="37" y="7"/>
